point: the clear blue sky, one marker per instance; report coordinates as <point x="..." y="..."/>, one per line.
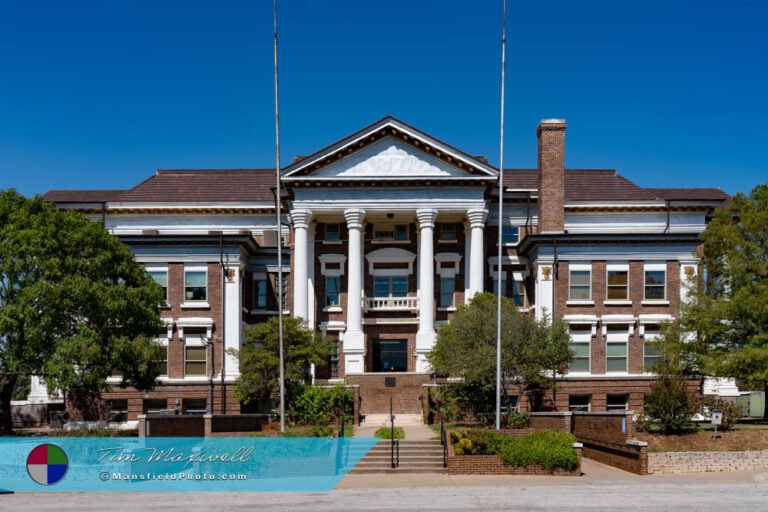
<point x="99" y="94"/>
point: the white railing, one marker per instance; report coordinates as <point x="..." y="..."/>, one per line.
<point x="391" y="303"/>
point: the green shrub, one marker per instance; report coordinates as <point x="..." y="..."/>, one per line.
<point x="731" y="412"/>
<point x="518" y="420"/>
<point x="550" y="450"/>
<point x="386" y="433"/>
<point x="315" y="405"/>
<point x="670" y="404"/>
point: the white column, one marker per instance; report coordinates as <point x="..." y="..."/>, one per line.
<point x="545" y="290"/>
<point x="38" y="391"/>
<point x="354" y="339"/>
<point x="233" y="295"/>
<point x="467" y="260"/>
<point x="311" y="307"/>
<point x="301" y="219"/>
<point x="425" y="337"/>
<point x="476" y="267"/>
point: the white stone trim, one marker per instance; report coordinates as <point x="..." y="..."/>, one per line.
<point x="195" y="321"/>
<point x="332" y="258"/>
<point x="447" y="257"/>
<point x="389" y="255"/>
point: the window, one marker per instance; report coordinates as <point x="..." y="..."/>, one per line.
<point x="578" y="403"/>
<point x="195" y="285"/>
<point x="396" y="232"/>
<point x="518" y="293"/>
<point x="655" y="284"/>
<point x="332" y="290"/>
<point x="618" y="285"/>
<point x="390" y="286"/>
<point x="616" y="403"/>
<point x="447" y="287"/>
<point x="161" y="278"/>
<point x="118" y="410"/>
<point x="194" y="360"/>
<point x="332" y="232"/>
<point x="510" y="234"/>
<point x="195" y="406"/>
<point x="651" y="355"/>
<point x="260" y="293"/>
<point x="390" y="355"/>
<point x="617" y="338"/>
<point x="447" y="232"/>
<point x="580" y="285"/>
<point x="581" y="336"/>
<point x="163" y="361"/>
<point x="333" y="358"/>
<point x="155" y="405"/>
<point x="495" y="284"/>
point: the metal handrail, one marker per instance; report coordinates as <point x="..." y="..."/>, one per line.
<point x="394" y="445"/>
<point x="444" y="442"/>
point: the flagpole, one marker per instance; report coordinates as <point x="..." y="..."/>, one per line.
<point x="499" y="291"/>
<point x="278" y="216"/>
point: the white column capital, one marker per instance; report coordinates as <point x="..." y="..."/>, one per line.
<point x="426" y="218"/>
<point x="354" y="217"/>
<point x="301" y="218"/>
<point x="477" y="217"/>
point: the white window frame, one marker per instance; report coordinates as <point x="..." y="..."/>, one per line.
<point x="381" y="227"/>
<point x="626" y="402"/>
<point x="508" y="226"/>
<point x="440" y="238"/>
<point x="332" y="307"/>
<point x="645" y="320"/>
<point x="618" y="267"/>
<point x="448" y="272"/>
<point x="325" y="259"/>
<point x="196" y="341"/>
<point x="325" y="233"/>
<point x="629" y="322"/>
<point x="580" y="267"/>
<point x="656" y="267"/>
<point x="590" y="320"/>
<point x="196" y="303"/>
<point x="452" y="305"/>
<point x="389" y="276"/>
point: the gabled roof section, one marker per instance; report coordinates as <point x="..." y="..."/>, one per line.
<point x="389" y="149"/>
<point x="204" y="185"/>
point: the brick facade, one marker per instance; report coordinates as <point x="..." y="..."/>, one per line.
<point x="406" y="395"/>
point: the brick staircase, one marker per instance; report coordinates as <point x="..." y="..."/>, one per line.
<point x="415" y="457"/>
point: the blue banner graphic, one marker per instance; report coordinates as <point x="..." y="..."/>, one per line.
<point x="196" y="464"/>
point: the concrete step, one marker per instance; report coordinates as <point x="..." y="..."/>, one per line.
<point x="404" y="458"/>
<point x="385" y="471"/>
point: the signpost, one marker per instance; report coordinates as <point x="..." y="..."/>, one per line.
<point x="717" y="419"/>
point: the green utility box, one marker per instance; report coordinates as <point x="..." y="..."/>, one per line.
<point x="752" y="405"/>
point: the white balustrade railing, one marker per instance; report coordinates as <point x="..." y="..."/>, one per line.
<point x="391" y="303"/>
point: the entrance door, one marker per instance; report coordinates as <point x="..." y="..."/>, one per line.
<point x="390" y="356"/>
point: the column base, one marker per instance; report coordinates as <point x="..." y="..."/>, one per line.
<point x="354" y="364"/>
<point x="422" y="364"/>
<point x="425" y="341"/>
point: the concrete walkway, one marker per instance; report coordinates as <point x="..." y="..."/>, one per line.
<point x="410" y="423"/>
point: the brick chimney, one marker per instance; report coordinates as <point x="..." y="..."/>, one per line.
<point x="551" y="135"/>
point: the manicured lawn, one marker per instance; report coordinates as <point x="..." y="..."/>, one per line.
<point x="386" y="433"/>
<point x="312" y="431"/>
<point x="743" y="437"/>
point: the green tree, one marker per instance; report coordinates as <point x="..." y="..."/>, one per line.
<point x="728" y="320"/>
<point x="260" y="357"/>
<point x="466" y="347"/>
<point x="73" y="303"/>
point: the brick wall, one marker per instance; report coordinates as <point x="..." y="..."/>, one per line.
<point x="170" y="393"/>
<point x="705" y="462"/>
<point x="607" y="438"/>
<point x="375" y="396"/>
<point x="171" y="426"/>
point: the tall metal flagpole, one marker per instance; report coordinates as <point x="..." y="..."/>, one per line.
<point x="279" y="218"/>
<point x="499" y="291"/>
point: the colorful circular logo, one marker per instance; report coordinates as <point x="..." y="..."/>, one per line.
<point x="47" y="464"/>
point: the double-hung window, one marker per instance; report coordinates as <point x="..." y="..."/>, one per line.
<point x="510" y="235"/>
<point x="617" y="282"/>
<point x="390" y="286"/>
<point x="260" y="293"/>
<point x="391" y="232"/>
<point x="581" y="336"/>
<point x="655" y="282"/>
<point x="617" y="339"/>
<point x="332" y="290"/>
<point x="160" y="276"/>
<point x="447" y="289"/>
<point x="651" y="353"/>
<point x="580" y="283"/>
<point x="332" y="232"/>
<point x="195" y="284"/>
<point x="447" y="232"/>
<point x="195" y="356"/>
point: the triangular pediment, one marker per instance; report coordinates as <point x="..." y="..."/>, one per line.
<point x="389" y="149"/>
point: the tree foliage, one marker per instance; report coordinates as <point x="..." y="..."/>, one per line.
<point x="74" y="304"/>
<point x="728" y="320"/>
<point x="260" y="359"/>
<point x="532" y="353"/>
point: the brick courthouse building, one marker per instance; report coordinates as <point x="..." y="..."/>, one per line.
<point x="386" y="233"/>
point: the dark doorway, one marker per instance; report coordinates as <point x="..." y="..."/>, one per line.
<point x="390" y="356"/>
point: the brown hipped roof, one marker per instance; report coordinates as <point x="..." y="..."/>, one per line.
<point x="82" y="196"/>
<point x="583" y="185"/>
<point x="689" y="194"/>
<point x="184" y="185"/>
